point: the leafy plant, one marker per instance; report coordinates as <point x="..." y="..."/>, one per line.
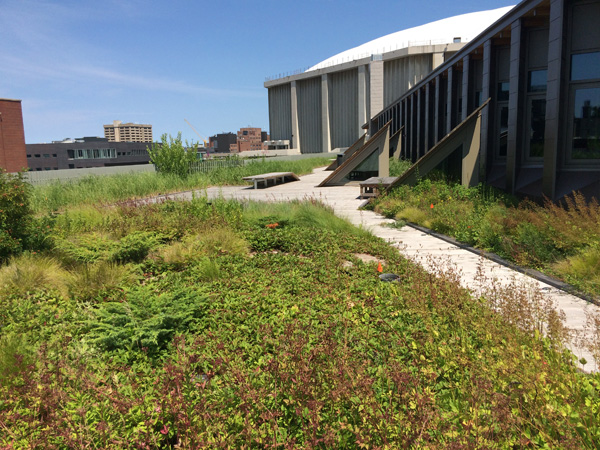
<point x="171" y="157"/>
<point x="15" y="214"/>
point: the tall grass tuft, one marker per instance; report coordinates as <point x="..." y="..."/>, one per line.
<point x="89" y="282"/>
<point x="29" y="272"/>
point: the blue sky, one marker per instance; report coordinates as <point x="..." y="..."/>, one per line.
<point x="77" y="65"/>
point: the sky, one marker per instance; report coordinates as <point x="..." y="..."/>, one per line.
<point x="77" y="65"/>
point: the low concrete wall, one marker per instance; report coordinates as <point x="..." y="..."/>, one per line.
<point x="50" y="176"/>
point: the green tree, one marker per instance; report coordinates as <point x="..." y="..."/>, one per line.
<point x="171" y="156"/>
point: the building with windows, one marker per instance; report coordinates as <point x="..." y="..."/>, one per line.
<point x="128" y="132"/>
<point x="517" y="107"/>
<point x="12" y="136"/>
<point x="220" y="143"/>
<point x="530" y="86"/>
<point x="249" y="139"/>
<point x="85" y="153"/>
<point x="326" y="106"/>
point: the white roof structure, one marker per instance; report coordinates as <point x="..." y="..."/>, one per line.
<point x="445" y="31"/>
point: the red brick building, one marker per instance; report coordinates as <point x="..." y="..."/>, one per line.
<point x="12" y="136"/>
<point x="249" y="139"/>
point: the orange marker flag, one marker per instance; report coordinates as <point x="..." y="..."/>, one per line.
<point x="379" y="268"/>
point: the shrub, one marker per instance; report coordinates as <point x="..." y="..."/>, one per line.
<point x="171" y="157"/>
<point x="15" y="214"/>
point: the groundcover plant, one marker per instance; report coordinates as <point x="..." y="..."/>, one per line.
<point x="559" y="239"/>
<point x="217" y="324"/>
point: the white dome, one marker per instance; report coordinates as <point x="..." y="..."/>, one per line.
<point x="466" y="27"/>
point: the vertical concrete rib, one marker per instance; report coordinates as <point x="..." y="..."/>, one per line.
<point x="325" y="119"/>
<point x="295" y="128"/>
<point x="514" y="113"/>
<point x="412" y="139"/>
<point x="419" y="125"/>
<point x="552" y="135"/>
<point x="436" y="117"/>
<point x="450" y="96"/>
<point x="362" y="98"/>
<point x="426" y="124"/>
<point x="485" y="113"/>
<point x="465" y="89"/>
<point x="376" y="86"/>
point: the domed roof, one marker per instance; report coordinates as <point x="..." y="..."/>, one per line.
<point x="445" y="31"/>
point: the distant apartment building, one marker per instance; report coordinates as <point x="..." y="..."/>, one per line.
<point x="221" y="142"/>
<point x="12" y="136"/>
<point x="128" y="132"/>
<point x="85" y="152"/>
<point x="249" y="139"/>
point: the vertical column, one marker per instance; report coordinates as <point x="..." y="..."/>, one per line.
<point x="295" y="126"/>
<point x="514" y="115"/>
<point x="419" y="98"/>
<point x="436" y="113"/>
<point x="411" y="137"/>
<point x="552" y="133"/>
<point x="376" y="92"/>
<point x="449" y="97"/>
<point x="362" y="98"/>
<point x="426" y="124"/>
<point x="485" y="113"/>
<point x="325" y="122"/>
<point x="466" y="109"/>
<point x="407" y="132"/>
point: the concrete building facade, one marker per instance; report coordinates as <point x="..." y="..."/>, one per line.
<point x="128" y="132"/>
<point x="86" y="152"/>
<point x="12" y="136"/>
<point x="327" y="106"/>
<point x="539" y="133"/>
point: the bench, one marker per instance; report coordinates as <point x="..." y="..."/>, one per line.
<point x="371" y="187"/>
<point x="274" y="176"/>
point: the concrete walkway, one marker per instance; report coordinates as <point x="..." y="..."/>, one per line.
<point x="429" y="251"/>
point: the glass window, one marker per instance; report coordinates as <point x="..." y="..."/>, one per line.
<point x="537" y="80"/>
<point x="46" y="155"/>
<point x="585" y="66"/>
<point x="537" y="127"/>
<point x="503" y="89"/>
<point x="586" y="124"/>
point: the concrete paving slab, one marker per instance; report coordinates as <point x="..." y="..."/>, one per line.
<point x="425" y="249"/>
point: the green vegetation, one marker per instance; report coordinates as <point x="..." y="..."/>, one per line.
<point x="399" y="166"/>
<point x="216" y="324"/>
<point x="171" y="156"/>
<point x="561" y="240"/>
<point x="95" y="190"/>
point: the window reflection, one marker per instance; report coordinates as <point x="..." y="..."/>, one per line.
<point x="537" y="80"/>
<point x="586" y="124"/>
<point x="585" y="66"/>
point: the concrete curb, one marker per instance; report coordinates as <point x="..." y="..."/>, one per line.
<point x="535" y="274"/>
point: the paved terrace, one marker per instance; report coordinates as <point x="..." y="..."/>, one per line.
<point x="429" y="251"/>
